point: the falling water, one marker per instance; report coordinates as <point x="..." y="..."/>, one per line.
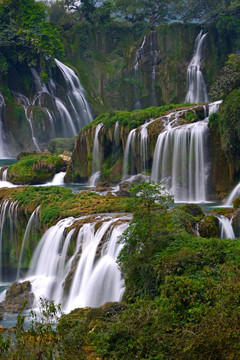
<point x="226" y="229"/>
<point x="129" y="154"/>
<point x="57" y="180"/>
<point x="96" y="276"/>
<point x="143" y="145"/>
<point x="96" y="158"/>
<point x="196" y="87"/>
<point x="76" y="95"/>
<point x="28" y="235"/>
<point x="3" y="216"/>
<point x="3" y="152"/>
<point x="234" y="193"/>
<point x="4" y="175"/>
<point x="139" y="56"/>
<point x="25" y="102"/>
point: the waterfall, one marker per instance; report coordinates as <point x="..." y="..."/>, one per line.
<point x="76" y="95"/>
<point x="4" y="175"/>
<point x="3" y="217"/>
<point x="139" y="56"/>
<point x="3" y="152"/>
<point x="96" y="276"/>
<point x="234" y="193"/>
<point x="27" y="106"/>
<point x="143" y="145"/>
<point x="179" y="156"/>
<point x="196" y="87"/>
<point x="226" y="229"/>
<point x="57" y="180"/>
<point x="129" y="154"/>
<point x="96" y="158"/>
<point x="28" y="235"/>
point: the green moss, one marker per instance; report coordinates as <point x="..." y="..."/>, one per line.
<point x="35" y="169"/>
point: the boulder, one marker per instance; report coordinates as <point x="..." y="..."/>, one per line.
<point x="16" y="295"/>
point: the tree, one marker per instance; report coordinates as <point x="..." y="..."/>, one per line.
<point x="27" y="36"/>
<point x="144" y="236"/>
<point x="153" y="12"/>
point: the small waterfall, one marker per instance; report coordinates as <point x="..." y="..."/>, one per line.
<point x="3" y="217"/>
<point x="76" y="95"/>
<point x="234" y="193"/>
<point x="143" y="145"/>
<point x="129" y="154"/>
<point x="30" y="231"/>
<point x="139" y="56"/>
<point x="96" y="276"/>
<point x="154" y="61"/>
<point x="180" y="158"/>
<point x="4" y="175"/>
<point x="196" y="87"/>
<point x="226" y="229"/>
<point x="25" y="102"/>
<point x="57" y="180"/>
<point x="3" y="152"/>
<point x="96" y="158"/>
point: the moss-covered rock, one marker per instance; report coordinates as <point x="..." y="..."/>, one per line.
<point x="209" y="227"/>
<point x="16" y="295"/>
<point x="35" y="169"/>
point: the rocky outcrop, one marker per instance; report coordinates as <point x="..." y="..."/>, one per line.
<point x="16" y="295"/>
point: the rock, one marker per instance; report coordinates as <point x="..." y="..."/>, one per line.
<point x="16" y="295"/>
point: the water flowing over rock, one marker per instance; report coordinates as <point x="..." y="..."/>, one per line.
<point x="95" y="277"/>
<point x="3" y="151"/>
<point x="129" y="154"/>
<point x="96" y="158"/>
<point x="226" y="229"/>
<point x="196" y="87"/>
<point x="234" y="193"/>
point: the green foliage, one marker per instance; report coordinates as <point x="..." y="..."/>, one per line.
<point x="59" y="145"/>
<point x="191" y="117"/>
<point x="37" y="340"/>
<point x="229" y="124"/>
<point x="131" y="119"/>
<point x="26" y="35"/>
<point x="236" y="202"/>
<point x="214" y="121"/>
<point x="35" y="169"/>
<point x="228" y="79"/>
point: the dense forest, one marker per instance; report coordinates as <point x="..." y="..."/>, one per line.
<point x="120" y="179"/>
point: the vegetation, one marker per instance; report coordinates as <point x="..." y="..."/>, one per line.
<point x="181" y="300"/>
<point x="26" y="35"/>
<point x="35" y="169"/>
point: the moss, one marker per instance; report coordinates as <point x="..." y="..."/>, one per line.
<point x="35" y="169"/>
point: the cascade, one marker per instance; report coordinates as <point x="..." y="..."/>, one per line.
<point x="139" y="56"/>
<point x="96" y="276"/>
<point x="96" y="158"/>
<point x="129" y="155"/>
<point x="226" y="229"/>
<point x="25" y="102"/>
<point x="154" y="61"/>
<point x="143" y="145"/>
<point x="3" y="152"/>
<point x="76" y="95"/>
<point x="180" y="158"/>
<point x="4" y="214"/>
<point x="4" y="175"/>
<point x="30" y="231"/>
<point x="234" y="193"/>
<point x="57" y="180"/>
<point x="196" y="87"/>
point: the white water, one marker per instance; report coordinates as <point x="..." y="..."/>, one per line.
<point x="234" y="193"/>
<point x="196" y="87"/>
<point x="3" y="151"/>
<point x="226" y="229"/>
<point x="96" y="279"/>
<point x="143" y="145"/>
<point x="4" y="175"/>
<point x="57" y="180"/>
<point x="129" y="155"/>
<point x="96" y="157"/>
<point x="76" y="96"/>
<point x="29" y="232"/>
<point x="3" y="215"/>
<point x="139" y="56"/>
<point x="27" y="106"/>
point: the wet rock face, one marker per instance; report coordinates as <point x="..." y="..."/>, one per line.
<point x="16" y="295"/>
